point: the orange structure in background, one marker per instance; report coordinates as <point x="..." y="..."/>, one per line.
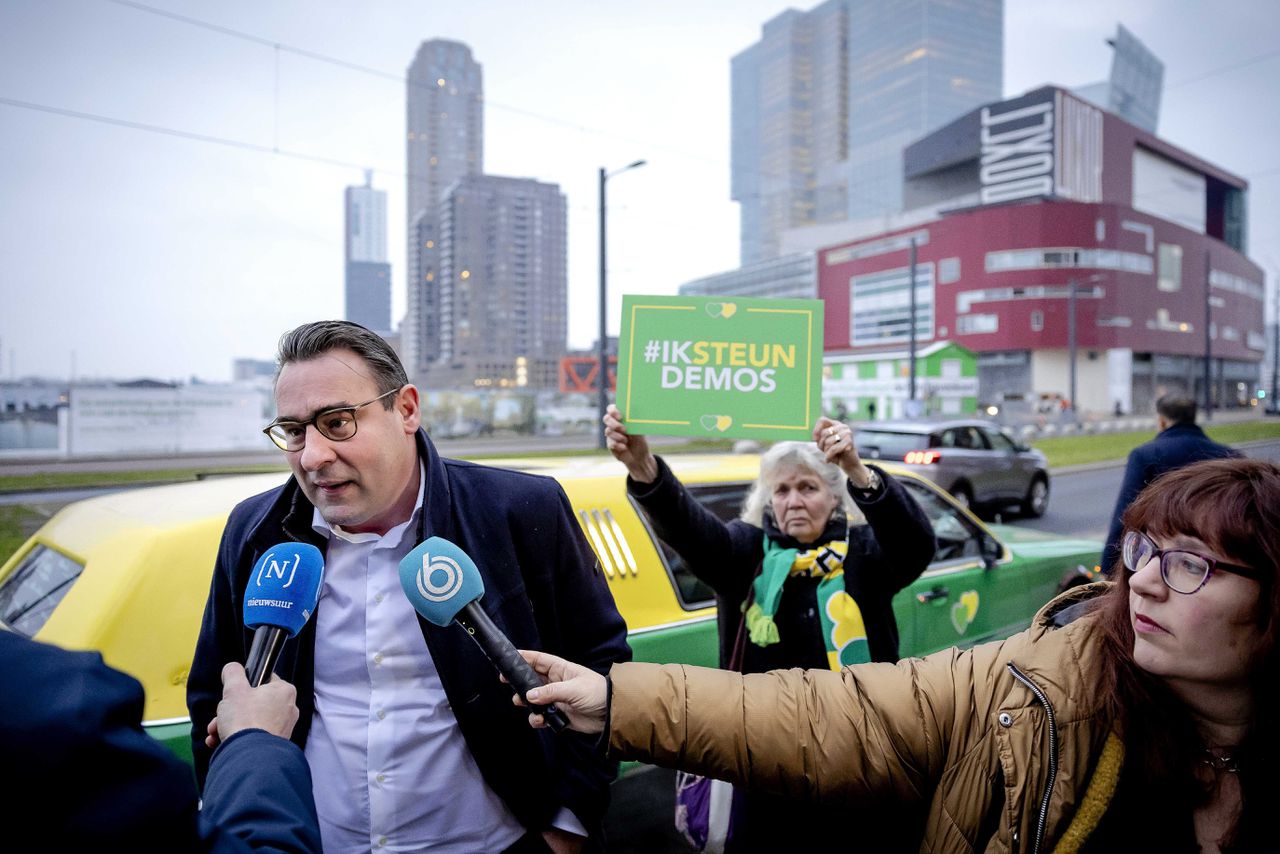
<point x="582" y="374"/>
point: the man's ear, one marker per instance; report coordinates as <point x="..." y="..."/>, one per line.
<point x="409" y="406"/>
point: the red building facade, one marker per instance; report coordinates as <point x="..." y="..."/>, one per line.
<point x="1039" y="196"/>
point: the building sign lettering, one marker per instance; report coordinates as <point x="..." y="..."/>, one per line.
<point x="1017" y="153"/>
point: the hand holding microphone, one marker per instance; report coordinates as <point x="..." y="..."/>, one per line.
<point x="279" y="599"/>
<point x="271" y="707"/>
<point x="281" y="596"/>
<point x="444" y="585"/>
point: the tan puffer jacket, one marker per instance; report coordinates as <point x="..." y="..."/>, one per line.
<point x="1001" y="739"/>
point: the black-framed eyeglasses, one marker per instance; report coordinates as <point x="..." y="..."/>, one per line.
<point x="1183" y="571"/>
<point x="337" y="425"/>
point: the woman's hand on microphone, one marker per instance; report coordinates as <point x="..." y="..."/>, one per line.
<point x="632" y="451"/>
<point x="578" y="692"/>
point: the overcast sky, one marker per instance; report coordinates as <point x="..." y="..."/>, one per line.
<point x="136" y="252"/>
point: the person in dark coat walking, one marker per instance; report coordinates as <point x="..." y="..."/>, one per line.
<point x="1179" y="443"/>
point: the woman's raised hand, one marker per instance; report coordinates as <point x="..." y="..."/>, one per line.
<point x="835" y="440"/>
<point x="578" y="692"/>
<point x="632" y="451"/>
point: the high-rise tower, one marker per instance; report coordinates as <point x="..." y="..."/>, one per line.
<point x="444" y="121"/>
<point x="824" y="104"/>
<point x="503" y="280"/>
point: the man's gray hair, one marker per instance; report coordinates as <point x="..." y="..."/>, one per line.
<point x="311" y="340"/>
<point x="795" y="455"/>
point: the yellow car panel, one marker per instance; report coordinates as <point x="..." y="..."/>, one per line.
<point x="148" y="556"/>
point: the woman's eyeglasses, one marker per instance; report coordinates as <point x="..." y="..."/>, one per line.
<point x="1183" y="571"/>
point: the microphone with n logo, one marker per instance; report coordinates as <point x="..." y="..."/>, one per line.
<point x="444" y="585"/>
<point x="279" y="599"/>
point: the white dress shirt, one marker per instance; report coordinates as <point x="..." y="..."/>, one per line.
<point x="390" y="767"/>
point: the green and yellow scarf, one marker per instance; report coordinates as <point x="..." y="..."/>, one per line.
<point x="843" y="629"/>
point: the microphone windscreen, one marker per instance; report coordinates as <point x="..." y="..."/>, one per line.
<point x="440" y="580"/>
<point x="284" y="587"/>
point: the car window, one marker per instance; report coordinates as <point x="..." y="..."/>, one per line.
<point x="957" y="537"/>
<point x="998" y="440"/>
<point x="889" y="444"/>
<point x="972" y="438"/>
<point x="35" y="587"/>
<point x="725" y="501"/>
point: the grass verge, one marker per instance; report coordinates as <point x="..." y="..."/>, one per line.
<point x="1100" y="447"/>
<point x="17" y="522"/>
<point x="73" y="480"/>
<point x="77" y="479"/>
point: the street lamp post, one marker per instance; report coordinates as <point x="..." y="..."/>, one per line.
<point x="604" y="349"/>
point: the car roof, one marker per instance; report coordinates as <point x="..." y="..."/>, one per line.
<point x="923" y="426"/>
<point x="83" y="525"/>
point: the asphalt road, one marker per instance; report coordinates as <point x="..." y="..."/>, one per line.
<point x="1081" y="500"/>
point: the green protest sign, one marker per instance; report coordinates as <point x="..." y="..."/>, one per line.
<point x="720" y="366"/>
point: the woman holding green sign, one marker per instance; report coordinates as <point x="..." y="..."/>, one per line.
<point x="804" y="578"/>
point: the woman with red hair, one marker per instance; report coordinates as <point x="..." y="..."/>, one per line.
<point x="1139" y="712"/>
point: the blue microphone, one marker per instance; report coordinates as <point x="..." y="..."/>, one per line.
<point x="279" y="599"/>
<point x="444" y="586"/>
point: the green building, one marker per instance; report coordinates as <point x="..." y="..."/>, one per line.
<point x="875" y="386"/>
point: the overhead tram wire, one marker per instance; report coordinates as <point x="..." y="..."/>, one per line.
<point x="253" y="147"/>
<point x="317" y="56"/>
<point x="183" y="134"/>
<point x="401" y="79"/>
<point x="398" y="78"/>
<point x="1262" y="57"/>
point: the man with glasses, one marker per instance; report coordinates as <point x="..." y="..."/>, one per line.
<point x="1179" y="443"/>
<point x="412" y="739"/>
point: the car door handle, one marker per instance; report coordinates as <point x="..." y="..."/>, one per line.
<point x="932" y="595"/>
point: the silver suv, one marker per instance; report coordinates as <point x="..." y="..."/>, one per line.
<point x="975" y="461"/>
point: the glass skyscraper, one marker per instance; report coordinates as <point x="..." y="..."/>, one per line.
<point x="824" y="104"/>
<point x="1136" y="83"/>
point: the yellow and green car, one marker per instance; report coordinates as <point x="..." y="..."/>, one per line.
<point x="127" y="573"/>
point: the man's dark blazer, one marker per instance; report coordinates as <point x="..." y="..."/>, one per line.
<point x="543" y="589"/>
<point x="84" y="776"/>
<point x="1174" y="447"/>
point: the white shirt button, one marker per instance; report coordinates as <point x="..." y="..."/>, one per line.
<point x="381" y="778"/>
<point x="378" y="598"/>
<point x="381" y="714"/>
<point x="377" y="658"/>
<point x="382" y="840"/>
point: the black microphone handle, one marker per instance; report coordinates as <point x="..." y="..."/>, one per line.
<point x="509" y="662"/>
<point x="267" y="643"/>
